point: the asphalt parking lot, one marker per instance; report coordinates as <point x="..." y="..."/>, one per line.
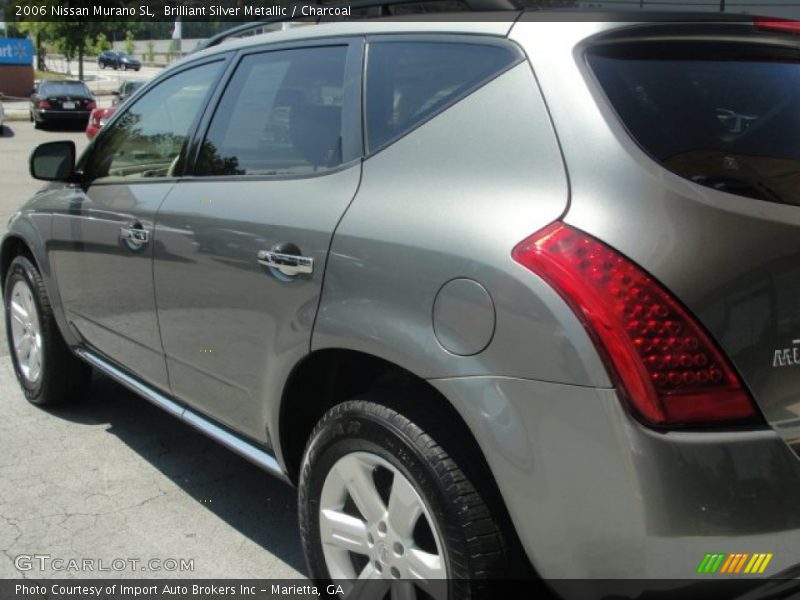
<point x="115" y="478"/>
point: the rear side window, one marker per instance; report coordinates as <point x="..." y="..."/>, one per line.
<point x="721" y="115"/>
<point x="281" y="115"/>
<point x="409" y="82"/>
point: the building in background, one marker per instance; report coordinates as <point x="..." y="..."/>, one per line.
<point x="16" y="66"/>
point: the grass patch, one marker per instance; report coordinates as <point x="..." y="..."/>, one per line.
<point x="37" y="74"/>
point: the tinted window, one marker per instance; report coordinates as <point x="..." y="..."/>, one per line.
<point x="147" y="140"/>
<point x="64" y="88"/>
<point x="723" y="116"/>
<point x="408" y="82"/>
<point x="281" y="115"/>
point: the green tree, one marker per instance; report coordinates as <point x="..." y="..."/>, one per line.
<point x="129" y="46"/>
<point x="65" y="37"/>
<point x="151" y="55"/>
<point x="99" y="45"/>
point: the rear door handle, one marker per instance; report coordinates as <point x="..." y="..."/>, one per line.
<point x="288" y="264"/>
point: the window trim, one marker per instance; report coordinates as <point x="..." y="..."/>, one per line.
<point x="443" y="38"/>
<point x="190" y="134"/>
<point x="352" y="131"/>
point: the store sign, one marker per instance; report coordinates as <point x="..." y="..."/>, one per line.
<point x="16" y="51"/>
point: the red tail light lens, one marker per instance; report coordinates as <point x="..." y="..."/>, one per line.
<point x="779" y="25"/>
<point x="662" y="360"/>
<point x="44" y="104"/>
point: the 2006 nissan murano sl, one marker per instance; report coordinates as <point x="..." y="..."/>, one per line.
<point x="493" y="293"/>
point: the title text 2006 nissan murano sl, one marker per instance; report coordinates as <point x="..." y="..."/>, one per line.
<point x="490" y="293"/>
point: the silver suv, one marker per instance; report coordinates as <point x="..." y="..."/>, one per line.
<point x="493" y="295"/>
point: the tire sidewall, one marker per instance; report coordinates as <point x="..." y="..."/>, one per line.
<point x="21" y="269"/>
<point x="359" y="431"/>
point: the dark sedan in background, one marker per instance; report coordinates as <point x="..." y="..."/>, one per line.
<point x="61" y="101"/>
<point x="126" y="90"/>
<point x="118" y="60"/>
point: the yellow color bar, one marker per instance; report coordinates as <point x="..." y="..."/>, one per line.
<point x="754" y="562"/>
<point x="767" y="558"/>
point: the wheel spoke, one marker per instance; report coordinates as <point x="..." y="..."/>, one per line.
<point x="403" y="590"/>
<point x="428" y="571"/>
<point x="19" y="313"/>
<point x="344" y="531"/>
<point x="370" y="585"/>
<point x="357" y="478"/>
<point x="23" y="347"/>
<point x="34" y="367"/>
<point x="404" y="507"/>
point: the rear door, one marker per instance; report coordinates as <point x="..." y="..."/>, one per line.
<point x="242" y="243"/>
<point x="102" y="241"/>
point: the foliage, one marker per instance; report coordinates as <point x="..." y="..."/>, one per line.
<point x="151" y="55"/>
<point x="99" y="45"/>
<point x="129" y="46"/>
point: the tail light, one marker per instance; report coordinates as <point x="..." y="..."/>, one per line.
<point x="665" y="365"/>
<point x="44" y="104"/>
<point x="91" y="104"/>
<point x="779" y="25"/>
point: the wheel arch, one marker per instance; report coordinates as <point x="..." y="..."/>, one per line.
<point x="331" y="376"/>
<point x="12" y="246"/>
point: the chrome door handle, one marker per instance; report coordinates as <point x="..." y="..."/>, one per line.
<point x="134" y="234"/>
<point x="288" y="264"/>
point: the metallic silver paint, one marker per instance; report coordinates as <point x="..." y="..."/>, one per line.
<point x="249" y="451"/>
<point x="463" y="317"/>
<point x="232" y="330"/>
<point x="590" y="491"/>
<point x="450" y="200"/>
<point x="106" y="285"/>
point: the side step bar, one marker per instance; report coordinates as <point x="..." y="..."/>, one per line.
<point x="245" y="449"/>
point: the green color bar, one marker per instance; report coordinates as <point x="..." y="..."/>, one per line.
<point x="718" y="563"/>
<point x="703" y="563"/>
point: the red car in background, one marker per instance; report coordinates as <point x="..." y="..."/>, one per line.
<point x="97" y="119"/>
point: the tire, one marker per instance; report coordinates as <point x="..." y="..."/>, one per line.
<point x="62" y="377"/>
<point x="455" y="525"/>
<point x="30" y="116"/>
<point x="36" y="123"/>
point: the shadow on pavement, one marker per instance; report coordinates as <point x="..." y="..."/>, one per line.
<point x="6" y="131"/>
<point x="257" y="505"/>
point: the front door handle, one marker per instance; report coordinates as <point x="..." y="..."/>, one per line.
<point x="288" y="264"/>
<point x="142" y="236"/>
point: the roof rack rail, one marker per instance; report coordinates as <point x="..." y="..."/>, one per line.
<point x="381" y="7"/>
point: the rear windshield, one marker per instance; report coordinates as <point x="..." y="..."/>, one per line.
<point x="70" y="89"/>
<point x="721" y="115"/>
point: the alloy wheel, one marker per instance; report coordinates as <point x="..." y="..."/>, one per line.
<point x="375" y="525"/>
<point x="26" y="332"/>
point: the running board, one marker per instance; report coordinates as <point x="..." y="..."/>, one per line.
<point x="245" y="449"/>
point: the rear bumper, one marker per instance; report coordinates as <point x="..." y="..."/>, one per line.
<point x="62" y="115"/>
<point x="594" y="495"/>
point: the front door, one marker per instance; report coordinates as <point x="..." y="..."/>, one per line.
<point x="102" y="248"/>
<point x="243" y="242"/>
